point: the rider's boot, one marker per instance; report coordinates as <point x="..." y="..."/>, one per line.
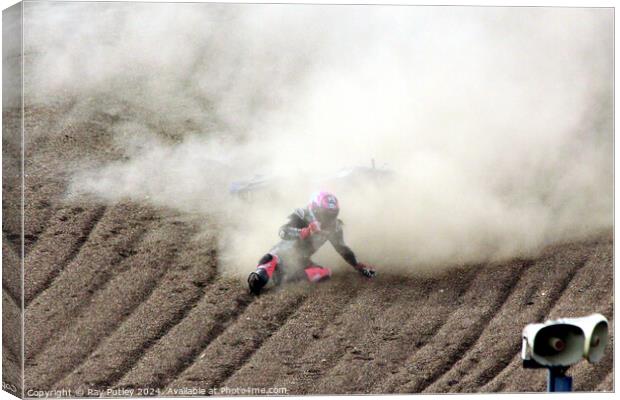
<point x="317" y="273"/>
<point x="258" y="279"/>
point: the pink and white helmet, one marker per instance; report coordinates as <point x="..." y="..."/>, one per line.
<point x="324" y="206"/>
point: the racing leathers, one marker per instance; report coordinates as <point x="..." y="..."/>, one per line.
<point x="301" y="237"/>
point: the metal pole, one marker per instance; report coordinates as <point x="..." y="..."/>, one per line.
<point x="557" y="381"/>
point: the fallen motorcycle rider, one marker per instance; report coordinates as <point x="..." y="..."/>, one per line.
<point x="306" y="231"/>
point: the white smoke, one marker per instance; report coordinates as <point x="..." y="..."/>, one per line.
<point x="497" y="121"/>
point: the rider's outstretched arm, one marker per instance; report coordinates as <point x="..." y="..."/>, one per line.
<point x="337" y="240"/>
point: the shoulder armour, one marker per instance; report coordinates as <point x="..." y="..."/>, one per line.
<point x="339" y="224"/>
<point x="301" y="213"/>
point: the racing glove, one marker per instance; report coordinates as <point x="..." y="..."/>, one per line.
<point x="309" y="230"/>
<point x="365" y="270"/>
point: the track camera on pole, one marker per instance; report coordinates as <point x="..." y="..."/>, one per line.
<point x="558" y="344"/>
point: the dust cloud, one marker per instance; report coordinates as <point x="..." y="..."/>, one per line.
<point x="497" y="122"/>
